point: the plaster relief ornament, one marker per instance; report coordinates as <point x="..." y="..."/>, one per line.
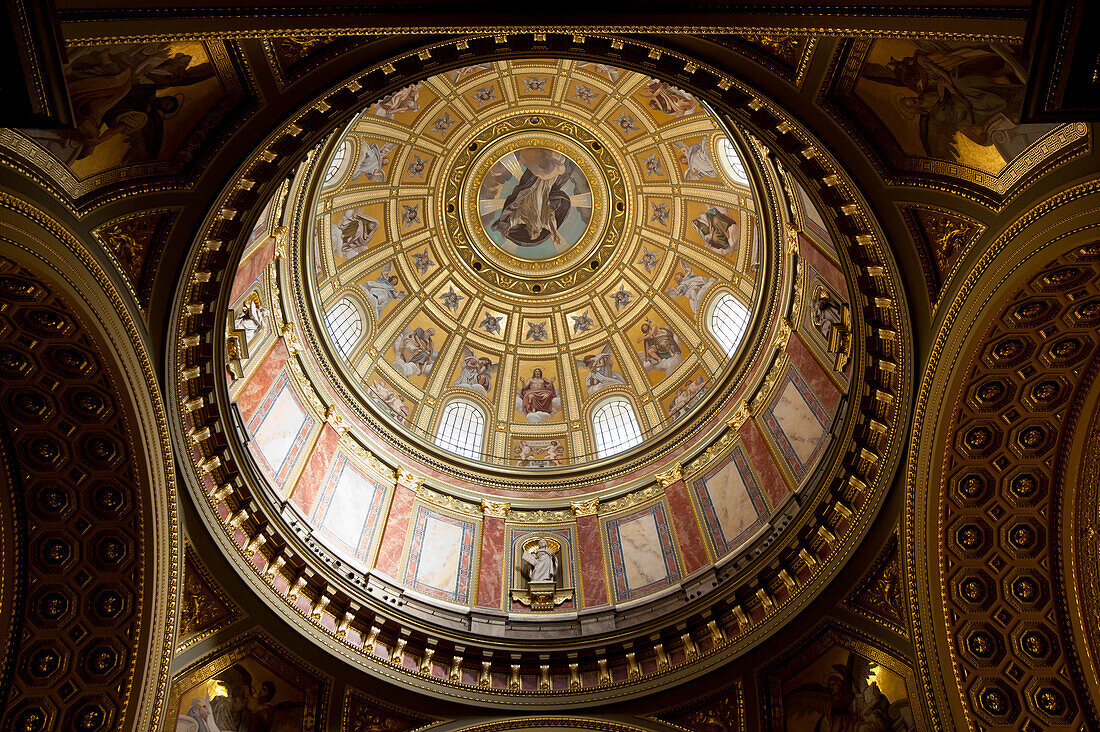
<point x="537" y="398"/>
<point x="415" y="352"/>
<point x="451" y="299"/>
<point x="599" y="373"/>
<point x="534" y="84"/>
<point x="422" y="261"/>
<point x="383" y="290"/>
<point x="696" y="160"/>
<point x="582" y="323"/>
<point x="402" y="100"/>
<point x="585" y="94"/>
<point x="669" y="99"/>
<point x="443" y="124"/>
<point x="687" y="396"/>
<point x="354" y="231"/>
<point x="718" y="230"/>
<point x="661" y="349"/>
<point x="543" y="564"/>
<point x="476" y="373"/>
<point x="848" y="699"/>
<point x="690" y="285"/>
<point x="660" y="213"/>
<point x="372" y="161"/>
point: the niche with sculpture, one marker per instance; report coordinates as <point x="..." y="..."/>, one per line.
<point x="541" y="570"/>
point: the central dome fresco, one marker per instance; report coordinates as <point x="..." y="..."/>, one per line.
<point x="534" y="263"/>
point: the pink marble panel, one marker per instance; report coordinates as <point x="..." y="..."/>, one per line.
<point x="689" y="537"/>
<point x="819" y="382"/>
<point x="251" y="268"/>
<point x="772" y="482"/>
<point x="393" y="535"/>
<point x="261" y="379"/>
<point x="825" y="267"/>
<point x="491" y="572"/>
<point x="590" y="551"/>
<point x="305" y="492"/>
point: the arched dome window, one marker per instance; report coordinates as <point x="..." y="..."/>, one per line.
<point x="461" y="429"/>
<point x="731" y="161"/>
<point x="727" y="322"/>
<point x="615" y="427"/>
<point x="336" y="163"/>
<point x="345" y="325"/>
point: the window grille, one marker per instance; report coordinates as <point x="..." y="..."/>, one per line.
<point x="337" y="161"/>
<point x="345" y="325"/>
<point x="460" y="429"/>
<point x="728" y="321"/>
<point x="615" y="427"/>
<point x="731" y="161"/>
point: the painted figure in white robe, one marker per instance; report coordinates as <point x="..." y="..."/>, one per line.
<point x="690" y="285"/>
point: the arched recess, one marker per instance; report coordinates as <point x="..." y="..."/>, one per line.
<point x="105" y="555"/>
<point x="1004" y="398"/>
<point x="346" y="325"/>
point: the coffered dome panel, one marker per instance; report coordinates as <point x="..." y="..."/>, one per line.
<point x="531" y="238"/>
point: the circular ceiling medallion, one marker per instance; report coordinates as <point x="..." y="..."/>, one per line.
<point x="543" y="204"/>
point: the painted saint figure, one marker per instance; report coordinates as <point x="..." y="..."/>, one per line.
<point x="383" y="291"/>
<point x="543" y="563"/>
<point x="600" y="373"/>
<point x="355" y="230"/>
<point x="696" y="160"/>
<point x="717" y="229"/>
<point x="476" y="373"/>
<point x="537" y="206"/>
<point x="690" y="285"/>
<point x="538" y="397"/>
<point x="660" y="348"/>
<point x="415" y="352"/>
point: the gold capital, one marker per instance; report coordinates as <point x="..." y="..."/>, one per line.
<point x="585" y="508"/>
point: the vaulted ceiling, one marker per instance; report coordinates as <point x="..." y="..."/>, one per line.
<point x="177" y="196"/>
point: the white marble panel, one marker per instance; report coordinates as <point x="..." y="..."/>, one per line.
<point x="351" y="502"/>
<point x="798" y="422"/>
<point x="279" y="428"/>
<point x="439" y="555"/>
<point x="732" y="503"/>
<point x="643" y="559"/>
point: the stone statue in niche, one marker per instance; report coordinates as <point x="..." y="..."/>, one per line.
<point x="544" y="564"/>
<point x="251" y="318"/>
<point x="539" y="563"/>
<point x="833" y="319"/>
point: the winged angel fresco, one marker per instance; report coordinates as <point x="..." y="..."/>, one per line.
<point x="848" y="701"/>
<point x="956" y="89"/>
<point x="241" y="708"/>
